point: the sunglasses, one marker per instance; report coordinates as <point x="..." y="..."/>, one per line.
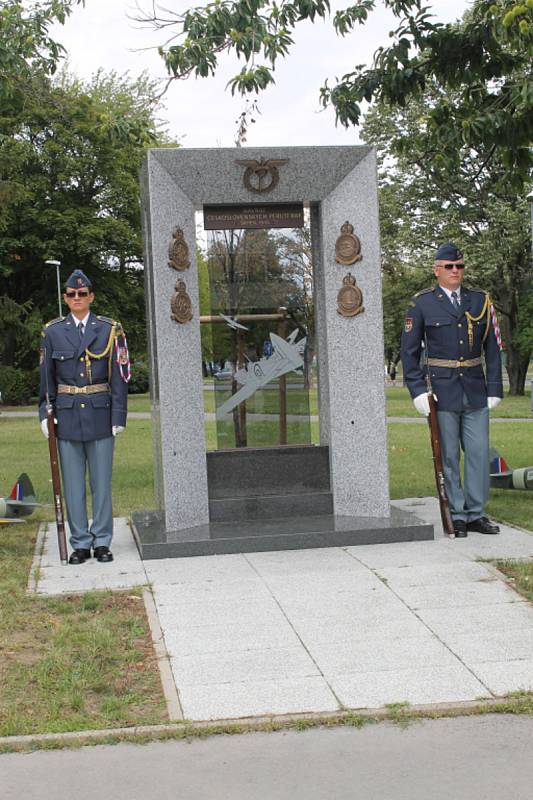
<point x="451" y="266"/>
<point x="78" y="292"/>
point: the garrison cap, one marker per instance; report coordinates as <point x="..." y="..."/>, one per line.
<point x="448" y="252"/>
<point x="78" y="280"/>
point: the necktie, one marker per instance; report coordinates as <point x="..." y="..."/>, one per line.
<point x="455" y="301"/>
<point x="80" y="330"/>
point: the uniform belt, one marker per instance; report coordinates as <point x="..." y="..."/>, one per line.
<point x="92" y="389"/>
<point x="443" y="362"/>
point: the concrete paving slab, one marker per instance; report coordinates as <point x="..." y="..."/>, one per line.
<point x="279" y="696"/>
<point x="232" y="568"/>
<point x="331" y="630"/>
<point x="405" y="554"/>
<point x="193" y="615"/>
<point x="434" y="574"/>
<point x="242" y="666"/>
<point x="494" y="646"/>
<point x="302" y="562"/>
<point x="447" y="684"/>
<point x="447" y="622"/>
<point x="126" y="571"/>
<point x="228" y="638"/>
<point x="376" y="654"/>
<point x="503" y="677"/>
<point x="457" y="595"/>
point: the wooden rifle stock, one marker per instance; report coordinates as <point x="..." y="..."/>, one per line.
<point x="56" y="484"/>
<point x="446" y="517"/>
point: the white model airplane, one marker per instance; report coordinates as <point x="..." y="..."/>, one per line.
<point x="233" y="323"/>
<point x="286" y="357"/>
<point x="20" y="503"/>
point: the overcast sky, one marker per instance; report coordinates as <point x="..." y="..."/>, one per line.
<point x="201" y="113"/>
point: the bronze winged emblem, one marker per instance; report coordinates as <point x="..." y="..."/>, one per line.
<point x="261" y="176"/>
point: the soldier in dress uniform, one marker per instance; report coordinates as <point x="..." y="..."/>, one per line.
<point x="85" y="373"/>
<point x="453" y="326"/>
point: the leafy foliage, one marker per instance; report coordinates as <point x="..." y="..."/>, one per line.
<point x="69" y="161"/>
<point x="424" y="201"/>
<point x="485" y="60"/>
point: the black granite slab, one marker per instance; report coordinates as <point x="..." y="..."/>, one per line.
<point x="281" y="533"/>
<point x="239" y="509"/>
<point x="287" y="469"/>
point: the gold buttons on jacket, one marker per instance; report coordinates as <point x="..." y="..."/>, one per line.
<point x="82" y="405"/>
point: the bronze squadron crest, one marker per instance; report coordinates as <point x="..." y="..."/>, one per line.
<point x="180" y="304"/>
<point x="261" y="176"/>
<point x="178" y="251"/>
<point x="347" y="246"/>
<point x="349" y="298"/>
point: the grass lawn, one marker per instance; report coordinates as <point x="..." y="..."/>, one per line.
<point x="74" y="663"/>
<point x="520" y="574"/>
<point x="399" y="403"/>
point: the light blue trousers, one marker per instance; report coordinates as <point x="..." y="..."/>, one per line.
<point x="467" y="430"/>
<point x="74" y="458"/>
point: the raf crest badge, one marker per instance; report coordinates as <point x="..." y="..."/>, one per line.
<point x="180" y="304"/>
<point x="349" y="298"/>
<point x="347" y="246"/>
<point x="178" y="251"/>
<point x="261" y="176"/>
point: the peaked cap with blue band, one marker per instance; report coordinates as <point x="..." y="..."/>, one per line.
<point x="448" y="252"/>
<point x="78" y="280"/>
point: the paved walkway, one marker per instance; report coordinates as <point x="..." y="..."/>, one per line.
<point x="318" y="630"/>
<point x="477" y="758"/>
<point x="267" y="417"/>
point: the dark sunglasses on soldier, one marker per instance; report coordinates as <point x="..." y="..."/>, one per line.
<point x="78" y="292"/>
<point x="451" y="266"/>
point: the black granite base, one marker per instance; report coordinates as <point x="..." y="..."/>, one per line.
<point x="282" y="533"/>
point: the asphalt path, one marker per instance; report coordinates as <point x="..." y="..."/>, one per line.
<point x="467" y="758"/>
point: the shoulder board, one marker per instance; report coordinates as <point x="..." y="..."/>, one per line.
<point x="54" y="321"/>
<point x="475" y="289"/>
<point x="107" y="319"/>
<point x="425" y="291"/>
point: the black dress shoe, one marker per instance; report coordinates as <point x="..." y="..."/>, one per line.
<point x="103" y="554"/>
<point x="482" y="525"/>
<point x="459" y="527"/>
<point x="79" y="556"/>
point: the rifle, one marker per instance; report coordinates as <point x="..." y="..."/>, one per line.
<point x="56" y="479"/>
<point x="446" y="517"/>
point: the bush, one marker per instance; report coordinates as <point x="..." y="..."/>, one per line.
<point x="139" y="383"/>
<point x="17" y="386"/>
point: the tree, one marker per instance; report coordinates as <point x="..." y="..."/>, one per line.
<point x="485" y="60"/>
<point x="26" y="47"/>
<point x="423" y="201"/>
<point x="69" y="190"/>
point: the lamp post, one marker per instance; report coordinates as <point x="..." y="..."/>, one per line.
<point x="56" y="264"/>
<point x="530" y="200"/>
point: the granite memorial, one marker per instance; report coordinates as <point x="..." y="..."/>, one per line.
<point x="290" y="493"/>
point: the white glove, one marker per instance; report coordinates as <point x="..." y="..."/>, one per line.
<point x="116" y="429"/>
<point x="492" y="402"/>
<point x="44" y="426"/>
<point x="421" y="403"/>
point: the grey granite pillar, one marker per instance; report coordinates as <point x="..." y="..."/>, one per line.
<point x="176" y="356"/>
<point x="350" y="349"/>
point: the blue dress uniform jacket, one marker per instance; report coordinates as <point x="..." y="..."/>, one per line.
<point x="82" y="417"/>
<point x="432" y="317"/>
